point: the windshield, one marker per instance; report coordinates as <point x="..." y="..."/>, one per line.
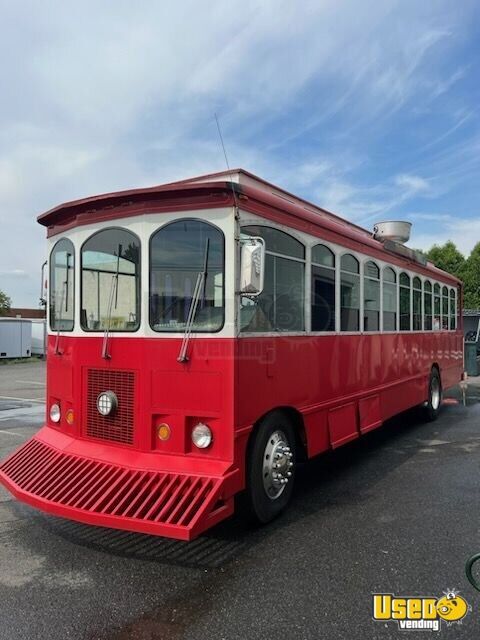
<point x="62" y="265"/>
<point x="111" y="271"/>
<point x="179" y="252"/>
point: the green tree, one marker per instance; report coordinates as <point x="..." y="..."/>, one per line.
<point x="5" y="303"/>
<point x="448" y="258"/>
<point x="470" y="275"/>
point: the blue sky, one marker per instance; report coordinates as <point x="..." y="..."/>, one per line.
<point x="370" y="109"/>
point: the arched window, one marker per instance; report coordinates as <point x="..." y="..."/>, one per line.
<point x="349" y="293"/>
<point x="453" y="310"/>
<point x="183" y="254"/>
<point x="323" y="289"/>
<point x="389" y="299"/>
<point x="110" y="295"/>
<point x="62" y="286"/>
<point x="371" y="297"/>
<point x="427" y="305"/>
<point x="445" y="308"/>
<point x="417" y="304"/>
<point x="405" y="293"/>
<point x="280" y="307"/>
<point x="437" y="307"/>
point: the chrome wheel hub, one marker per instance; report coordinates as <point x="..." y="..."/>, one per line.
<point x="435" y="394"/>
<point x="277" y="464"/>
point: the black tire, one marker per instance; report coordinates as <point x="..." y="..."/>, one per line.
<point x="434" y="401"/>
<point x="260" y="506"/>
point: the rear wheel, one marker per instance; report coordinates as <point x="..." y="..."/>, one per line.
<point x="271" y="467"/>
<point x="434" y="395"/>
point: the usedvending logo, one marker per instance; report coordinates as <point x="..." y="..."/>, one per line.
<point x="420" y="612"/>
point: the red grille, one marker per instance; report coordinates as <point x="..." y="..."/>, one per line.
<point x="118" y="427"/>
<point x="111" y="492"/>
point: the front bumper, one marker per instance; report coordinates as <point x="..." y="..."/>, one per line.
<point x="62" y="476"/>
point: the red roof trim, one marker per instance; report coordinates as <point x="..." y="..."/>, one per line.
<point x="194" y="194"/>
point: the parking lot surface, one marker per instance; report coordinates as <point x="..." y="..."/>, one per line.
<point x="395" y="512"/>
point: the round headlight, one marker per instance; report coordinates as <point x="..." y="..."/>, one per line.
<point x="55" y="413"/>
<point x="201" y="436"/>
<point x="106" y="403"/>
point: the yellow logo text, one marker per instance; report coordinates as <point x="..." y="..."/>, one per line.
<point x="411" y="612"/>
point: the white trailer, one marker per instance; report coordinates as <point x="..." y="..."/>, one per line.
<point x="15" y="338"/>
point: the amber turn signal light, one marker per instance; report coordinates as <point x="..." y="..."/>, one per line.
<point x="70" y="417"/>
<point x="163" y="431"/>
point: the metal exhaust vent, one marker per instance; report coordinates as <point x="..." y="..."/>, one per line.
<point x="394" y="230"/>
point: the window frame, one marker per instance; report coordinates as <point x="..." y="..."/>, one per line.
<point x="333" y="269"/>
<point x="425" y="294"/>
<point x="339" y="251"/>
<point x="445" y="288"/>
<point x="436" y="285"/>
<point x="410" y="298"/>
<point x="360" y="261"/>
<point x="74" y="308"/>
<point x="452" y="298"/>
<point x="418" y="290"/>
<point x="384" y="282"/>
<point x="149" y="267"/>
<point x="138" y="293"/>
<point x="380" y="294"/>
<point x="306" y="279"/>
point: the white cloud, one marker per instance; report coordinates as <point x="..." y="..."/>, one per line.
<point x="411" y="183"/>
<point x="464" y="232"/>
<point x="14" y="273"/>
<point x="103" y="98"/>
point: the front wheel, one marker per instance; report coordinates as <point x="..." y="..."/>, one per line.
<point x="434" y="395"/>
<point x="271" y="467"/>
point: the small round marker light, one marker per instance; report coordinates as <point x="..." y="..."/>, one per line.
<point x="201" y="435"/>
<point x="55" y="413"/>
<point x="163" y="431"/>
<point x="70" y="417"/>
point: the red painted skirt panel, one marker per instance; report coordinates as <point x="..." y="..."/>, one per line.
<point x="321" y="374"/>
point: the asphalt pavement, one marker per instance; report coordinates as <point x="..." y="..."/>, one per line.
<point x="395" y="512"/>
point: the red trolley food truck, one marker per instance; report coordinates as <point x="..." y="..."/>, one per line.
<point x="206" y="335"/>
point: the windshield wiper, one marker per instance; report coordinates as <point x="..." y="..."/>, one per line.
<point x="197" y="292"/>
<point x="62" y="299"/>
<point x="113" y="296"/>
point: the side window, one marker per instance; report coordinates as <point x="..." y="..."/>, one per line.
<point x="371" y="297"/>
<point x="280" y="307"/>
<point x="427" y="305"/>
<point x="323" y="289"/>
<point x="389" y="299"/>
<point x="349" y="293"/>
<point x="453" y="310"/>
<point x="444" y="308"/>
<point x="61" y="286"/>
<point x="110" y="284"/>
<point x="436" y="307"/>
<point x="459" y="311"/>
<point x="417" y="304"/>
<point x="405" y="302"/>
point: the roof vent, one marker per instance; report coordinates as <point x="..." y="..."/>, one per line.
<point x="393" y="230"/>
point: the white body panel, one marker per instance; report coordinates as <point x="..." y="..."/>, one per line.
<point x="144" y="226"/>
